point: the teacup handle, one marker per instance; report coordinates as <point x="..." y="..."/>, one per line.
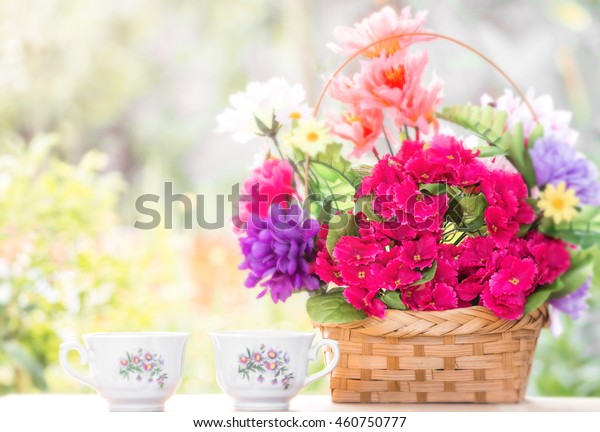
<point x="64" y="363"/>
<point x="312" y="355"/>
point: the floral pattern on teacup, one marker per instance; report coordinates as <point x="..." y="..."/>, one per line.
<point x="143" y="366"/>
<point x="265" y="365"/>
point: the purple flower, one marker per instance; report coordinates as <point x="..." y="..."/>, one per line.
<point x="139" y="378"/>
<point x="274" y="382"/>
<point x="555" y="162"/>
<point x="277" y="252"/>
<point x="574" y="303"/>
<point x="260" y="379"/>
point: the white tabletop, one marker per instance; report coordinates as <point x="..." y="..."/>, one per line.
<point x="218" y="403"/>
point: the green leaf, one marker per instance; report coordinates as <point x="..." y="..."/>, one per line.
<point x="332" y="179"/>
<point x="583" y="230"/>
<point x="489" y="151"/>
<point x="365" y="205"/>
<point x="24" y="360"/>
<point x="393" y="300"/>
<point x="536" y="133"/>
<point x="582" y="267"/>
<point x="340" y="225"/>
<point x="332" y="309"/>
<point x="427" y="275"/>
<point x="434" y="188"/>
<point x="485" y="122"/>
<point x="541" y="295"/>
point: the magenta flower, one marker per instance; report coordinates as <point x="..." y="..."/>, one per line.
<point x="260" y="379"/>
<point x="271" y="366"/>
<point x="430" y="296"/>
<point x="269" y="184"/>
<point x="272" y="353"/>
<point x="257" y="357"/>
<point x="244" y="359"/>
<point x="419" y="253"/>
<point x="148" y="366"/>
<point x="135" y="359"/>
<point x="123" y="361"/>
<point x="551" y="256"/>
<point x="148" y="356"/>
<point x="355" y="251"/>
<point x="507" y="290"/>
<point x="365" y="300"/>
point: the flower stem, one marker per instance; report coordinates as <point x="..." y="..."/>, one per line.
<point x="387" y="141"/>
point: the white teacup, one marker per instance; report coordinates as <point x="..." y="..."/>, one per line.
<point x="132" y="371"/>
<point x="264" y="370"/>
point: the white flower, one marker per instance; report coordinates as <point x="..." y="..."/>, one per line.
<point x="310" y="136"/>
<point x="555" y="122"/>
<point x="298" y="112"/>
<point x="260" y="99"/>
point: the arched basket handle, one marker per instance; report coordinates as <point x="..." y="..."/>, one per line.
<point x="398" y="36"/>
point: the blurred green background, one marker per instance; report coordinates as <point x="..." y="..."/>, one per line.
<point x="103" y="101"/>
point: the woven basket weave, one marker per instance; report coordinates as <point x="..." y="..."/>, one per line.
<point x="459" y="355"/>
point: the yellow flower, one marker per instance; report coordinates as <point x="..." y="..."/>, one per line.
<point x="310" y="136"/>
<point x="558" y="203"/>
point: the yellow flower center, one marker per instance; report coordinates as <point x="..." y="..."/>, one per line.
<point x="450" y="157"/>
<point x="395" y="77"/>
<point x="417" y="257"/>
<point x="558" y="203"/>
<point x="351" y="118"/>
<point x="295" y="115"/>
<point x="514" y="281"/>
<point x="312" y="136"/>
<point x="361" y="275"/>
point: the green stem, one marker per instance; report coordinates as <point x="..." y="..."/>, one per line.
<point x="387" y="141"/>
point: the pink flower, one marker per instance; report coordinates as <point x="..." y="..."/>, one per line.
<point x="271" y="183"/>
<point x="355" y="251"/>
<point x="461" y="164"/>
<point x="500" y="225"/>
<point x="430" y="296"/>
<point x="365" y="300"/>
<point x="361" y="127"/>
<point x="361" y="275"/>
<point x="551" y="256"/>
<point x="393" y="83"/>
<point x="506" y="293"/>
<point x="476" y="252"/>
<point x="396" y="275"/>
<point x="257" y="357"/>
<point x="244" y="359"/>
<point x="123" y="362"/>
<point x="380" y="25"/>
<point x="419" y="253"/>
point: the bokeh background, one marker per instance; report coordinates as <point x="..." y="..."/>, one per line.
<point x="103" y="101"/>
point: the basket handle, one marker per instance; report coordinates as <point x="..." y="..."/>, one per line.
<point x="398" y="36"/>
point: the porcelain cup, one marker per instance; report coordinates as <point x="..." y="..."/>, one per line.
<point x="264" y="370"/>
<point x="132" y="371"/>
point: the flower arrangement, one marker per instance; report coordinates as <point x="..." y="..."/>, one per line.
<point x="401" y="212"/>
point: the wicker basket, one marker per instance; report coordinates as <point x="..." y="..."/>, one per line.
<point x="459" y="355"/>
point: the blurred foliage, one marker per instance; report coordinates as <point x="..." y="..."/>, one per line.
<point x="52" y="265"/>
